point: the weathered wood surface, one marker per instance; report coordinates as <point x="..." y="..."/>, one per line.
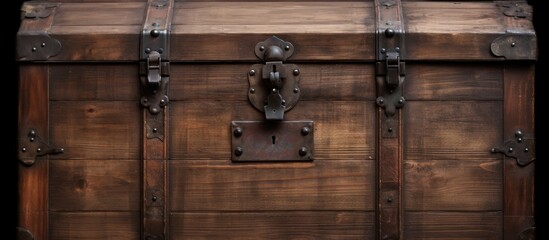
<point x="223" y="186"/>
<point x="94" y="225"/>
<point x="453" y="225"/>
<point x="94" y="185"/>
<point x="273" y="225"/>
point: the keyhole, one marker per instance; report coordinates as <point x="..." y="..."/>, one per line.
<point x="274" y="139"/>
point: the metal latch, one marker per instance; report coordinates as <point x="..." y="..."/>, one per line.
<point x="521" y="148"/>
<point x="393" y="71"/>
<point x="274" y="86"/>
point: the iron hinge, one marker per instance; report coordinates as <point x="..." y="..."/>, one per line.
<point x="521" y="148"/>
<point x="515" y="10"/>
<point x="32" y="146"/>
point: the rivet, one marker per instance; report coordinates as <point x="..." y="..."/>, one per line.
<point x="145" y="100"/>
<point x="383" y="50"/>
<point x="43" y="44"/>
<point x="296" y="72"/>
<point x="262" y="48"/>
<point x="283" y="102"/>
<point x="32" y="133"/>
<point x="155" y="130"/>
<point x="33" y="49"/>
<point x="154" y="198"/>
<point x="39" y="150"/>
<point x="526" y="149"/>
<point x="389" y="32"/>
<point x="510" y="149"/>
<point x="237" y="132"/>
<point x="296" y="90"/>
<point x="401" y="101"/>
<point x="390" y="130"/>
<point x="286" y="47"/>
<point x="147" y="50"/>
<point x="518" y="133"/>
<point x="155" y="33"/>
<point x="519" y="139"/>
<point x="31" y="139"/>
<point x="160" y="50"/>
<point x="154" y="110"/>
<point x="273" y="91"/>
<point x="252" y="72"/>
<point x="302" y="151"/>
<point x="390" y="199"/>
<point x="493" y="150"/>
<point x="252" y="90"/>
<point x="380" y="100"/>
<point x="397" y="49"/>
<point x="513" y="44"/>
<point x="238" y="151"/>
<point x="162" y="101"/>
<point x="305" y="131"/>
<point x="23" y="149"/>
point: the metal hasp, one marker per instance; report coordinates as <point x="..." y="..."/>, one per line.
<point x="32" y="146"/>
<point x="278" y="141"/>
<point x="37" y="44"/>
<point x="522" y="148"/>
<point x="274" y="85"/>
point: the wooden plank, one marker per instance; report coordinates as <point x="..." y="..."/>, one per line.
<point x="339" y="30"/>
<point x="273" y="225"/>
<point x="85" y="45"/>
<point x="96" y="129"/>
<point x="343" y="130"/>
<point x="94" y="185"/>
<point x="32" y="202"/>
<point x="93" y="14"/>
<point x="453" y="225"/>
<point x="94" y="225"/>
<point x="107" y="82"/>
<point x="453" y="185"/>
<point x="453" y="81"/>
<point x="518" y="114"/>
<point x="202" y="185"/>
<point x="443" y="130"/>
<point x="323" y="82"/>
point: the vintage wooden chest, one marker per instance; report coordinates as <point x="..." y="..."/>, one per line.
<point x="382" y="119"/>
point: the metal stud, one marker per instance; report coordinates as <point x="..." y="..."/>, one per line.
<point x="526" y="150"/>
<point x="39" y="150"/>
<point x="296" y="90"/>
<point x="274" y="91"/>
<point x="261" y="48"/>
<point x="296" y="72"/>
<point x="155" y="33"/>
<point x="155" y="130"/>
<point x="383" y="50"/>
<point x="390" y="199"/>
<point x="518" y="133"/>
<point x="252" y="72"/>
<point x="252" y="90"/>
<point x="33" y="49"/>
<point x="154" y="198"/>
<point x="519" y="139"/>
<point x="302" y="151"/>
<point x="397" y="49"/>
<point x="513" y="44"/>
<point x="389" y="32"/>
<point x="43" y="44"/>
<point x="305" y="131"/>
<point x="510" y="149"/>
<point x="23" y="149"/>
<point x="160" y="50"/>
<point x="238" y="151"/>
<point x="31" y="139"/>
<point x="390" y="129"/>
<point x="237" y="132"/>
<point x="147" y="50"/>
<point x="286" y="47"/>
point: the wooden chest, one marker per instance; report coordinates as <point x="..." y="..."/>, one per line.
<point x="382" y="119"/>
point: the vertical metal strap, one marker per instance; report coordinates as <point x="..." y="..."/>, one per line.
<point x="389" y="78"/>
<point x="154" y="71"/>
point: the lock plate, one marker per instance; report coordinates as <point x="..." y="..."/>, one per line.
<point x="278" y="141"/>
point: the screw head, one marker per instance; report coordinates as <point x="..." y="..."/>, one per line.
<point x="296" y="72"/>
<point x="238" y="151"/>
<point x="252" y="72"/>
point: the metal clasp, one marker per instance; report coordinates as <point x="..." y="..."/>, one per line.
<point x="276" y="89"/>
<point x="154" y="69"/>
<point x="154" y="77"/>
<point x="390" y="86"/>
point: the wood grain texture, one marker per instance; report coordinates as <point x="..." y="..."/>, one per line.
<point x="97" y="130"/>
<point x="223" y="186"/>
<point x="32" y="202"/>
<point x="338" y="30"/>
<point x="453" y="81"/>
<point x="90" y="44"/>
<point x="94" y="225"/>
<point x="108" y="82"/>
<point x="453" y="225"/>
<point x="99" y="14"/>
<point x="453" y="185"/>
<point x="273" y="225"/>
<point x="93" y="185"/>
<point x="323" y="82"/>
<point x="444" y="130"/>
<point x="518" y="181"/>
<point x="201" y="129"/>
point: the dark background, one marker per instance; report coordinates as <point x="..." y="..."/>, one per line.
<point x="9" y="169"/>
